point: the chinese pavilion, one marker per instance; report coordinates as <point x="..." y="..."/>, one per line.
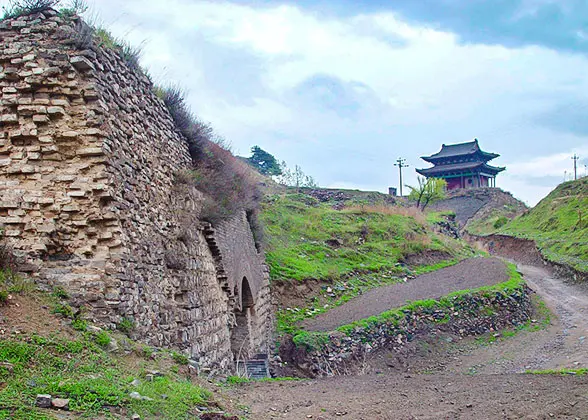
<point x="462" y="165"/>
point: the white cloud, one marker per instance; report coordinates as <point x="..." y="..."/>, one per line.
<point x="424" y="87"/>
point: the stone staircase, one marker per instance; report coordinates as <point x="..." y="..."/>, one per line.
<point x="221" y="275"/>
<point x="254" y="368"/>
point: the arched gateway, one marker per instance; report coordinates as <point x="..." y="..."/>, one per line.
<point x="245" y="322"/>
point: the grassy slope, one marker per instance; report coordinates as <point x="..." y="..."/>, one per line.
<point x="492" y="221"/>
<point x="373" y="240"/>
<point x="75" y="364"/>
<point x="555" y="225"/>
<point x="298" y="226"/>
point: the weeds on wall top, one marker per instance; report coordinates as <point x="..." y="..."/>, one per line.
<point x="228" y="182"/>
<point x="18" y="8"/>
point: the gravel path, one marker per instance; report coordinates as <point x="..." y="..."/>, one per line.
<point x="468" y="274"/>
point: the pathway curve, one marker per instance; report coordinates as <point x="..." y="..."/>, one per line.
<point x="468" y="274"/>
<point x="569" y="302"/>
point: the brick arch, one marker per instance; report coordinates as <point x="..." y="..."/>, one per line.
<point x="242" y="343"/>
<point x="246" y="297"/>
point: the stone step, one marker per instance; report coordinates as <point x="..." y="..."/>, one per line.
<point x="256" y="368"/>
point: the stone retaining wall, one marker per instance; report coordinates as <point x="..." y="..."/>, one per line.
<point x="91" y="200"/>
<point x="339" y="353"/>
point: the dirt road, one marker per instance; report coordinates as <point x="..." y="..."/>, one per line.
<point x="449" y="378"/>
<point x="468" y="274"/>
<point x="569" y="302"/>
<point x="399" y="397"/>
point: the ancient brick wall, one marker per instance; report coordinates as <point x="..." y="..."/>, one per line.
<point x="241" y="263"/>
<point x="91" y="200"/>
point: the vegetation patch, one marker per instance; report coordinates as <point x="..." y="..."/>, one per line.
<point x="97" y="383"/>
<point x="229" y="183"/>
<point x="558" y="225"/>
<point x="582" y="371"/>
<point x="342" y="291"/>
<point x="308" y="239"/>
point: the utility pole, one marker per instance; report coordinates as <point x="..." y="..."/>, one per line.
<point x="575" y="158"/>
<point x="401" y="163"/>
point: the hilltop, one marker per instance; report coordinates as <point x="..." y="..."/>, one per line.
<point x="482" y="210"/>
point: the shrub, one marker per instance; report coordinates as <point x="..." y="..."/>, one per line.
<point x="501" y="221"/>
<point x="60" y="293"/>
<point x="75" y="7"/>
<point x="102" y="338"/>
<point x="196" y="132"/>
<point x="15" y="283"/>
<point x="79" y="324"/>
<point x="64" y="309"/>
<point x="18" y="8"/>
<point x="228" y="183"/>
<point x="180" y="359"/>
<point x="3" y="296"/>
<point x="126" y="325"/>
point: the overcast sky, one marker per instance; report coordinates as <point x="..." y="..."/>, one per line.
<point x="345" y="87"/>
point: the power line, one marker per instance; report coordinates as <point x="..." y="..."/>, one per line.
<point x="401" y="163"/>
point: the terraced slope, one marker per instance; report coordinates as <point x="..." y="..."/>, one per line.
<point x="468" y="274"/>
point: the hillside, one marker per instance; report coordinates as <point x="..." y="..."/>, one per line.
<point x="313" y="240"/>
<point x="324" y="253"/>
<point x="558" y="224"/>
<point x="49" y="349"/>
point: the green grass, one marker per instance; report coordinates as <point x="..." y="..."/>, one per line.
<point x="439" y="216"/>
<point x="582" y="371"/>
<point x="126" y="325"/>
<point x="93" y="380"/>
<point x="313" y="340"/>
<point x="13" y="283"/>
<point x="493" y="221"/>
<point x="558" y="224"/>
<point x="298" y="226"/>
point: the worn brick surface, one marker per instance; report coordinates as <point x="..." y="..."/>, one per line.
<point x="89" y="198"/>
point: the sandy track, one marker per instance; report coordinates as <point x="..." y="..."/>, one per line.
<point x="468" y="274"/>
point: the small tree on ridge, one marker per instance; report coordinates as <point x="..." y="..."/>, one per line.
<point x="428" y="191"/>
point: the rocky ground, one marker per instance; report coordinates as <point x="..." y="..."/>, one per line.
<point x="468" y="274"/>
<point x="402" y="396"/>
<point x="446" y="377"/>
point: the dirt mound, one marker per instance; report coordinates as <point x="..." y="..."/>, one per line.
<point x="479" y="204"/>
<point x="468" y="274"/>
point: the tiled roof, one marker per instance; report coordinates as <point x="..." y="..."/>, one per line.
<point x="443" y="169"/>
<point x="460" y="149"/>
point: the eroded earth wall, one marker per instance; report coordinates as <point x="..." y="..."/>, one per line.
<point x="91" y="198"/>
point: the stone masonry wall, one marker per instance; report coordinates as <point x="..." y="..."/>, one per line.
<point x="241" y="261"/>
<point x="89" y="196"/>
<point x="338" y="353"/>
